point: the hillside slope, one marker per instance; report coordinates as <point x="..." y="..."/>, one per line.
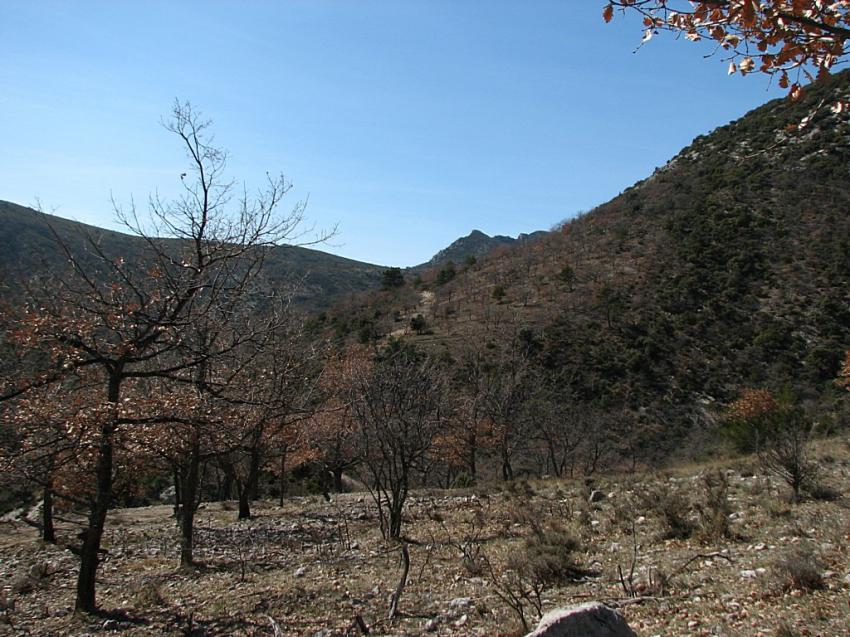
<point x="728" y="267"/>
<point x="316" y="279"/>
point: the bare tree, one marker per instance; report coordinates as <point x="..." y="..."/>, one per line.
<point x="130" y="321"/>
<point x="273" y="392"/>
<point x="559" y="429"/>
<point x="506" y="387"/>
<point x="401" y="408"/>
<point x="332" y="432"/>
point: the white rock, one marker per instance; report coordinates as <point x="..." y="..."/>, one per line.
<point x="460" y="602"/>
<point x="589" y="620"/>
<point x="462" y="621"/>
<point x="301" y="571"/>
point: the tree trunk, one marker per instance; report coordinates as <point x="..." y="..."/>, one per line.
<point x="244" y="501"/>
<point x="189" y="493"/>
<point x="89" y="552"/>
<point x="395" y="520"/>
<point x="91" y="536"/>
<point x="507" y="468"/>
<point x="337" y="478"/>
<point x="178" y="495"/>
<point x="253" y="485"/>
<point x="399" y="495"/>
<point x="556" y="468"/>
<point x="282" y="476"/>
<point x="227" y="488"/>
<point x="471" y="460"/>
<point x="48" y="533"/>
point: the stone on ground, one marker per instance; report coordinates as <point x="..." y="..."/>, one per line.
<point x="588" y="620"/>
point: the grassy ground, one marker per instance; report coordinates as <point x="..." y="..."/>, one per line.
<point x="677" y="554"/>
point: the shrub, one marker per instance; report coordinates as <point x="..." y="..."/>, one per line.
<point x="463" y="481"/>
<point x="672" y="507"/>
<point x="148" y="594"/>
<point x="799" y="569"/>
<point x="447" y="273"/>
<point x="778" y="431"/>
<point x="418" y="324"/>
<point x="546" y="559"/>
<point x="713" y="507"/>
<point x="548" y="556"/>
<point x="824" y="492"/>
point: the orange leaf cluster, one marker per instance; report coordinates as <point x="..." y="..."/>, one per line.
<point x="753" y="404"/>
<point x="777" y="37"/>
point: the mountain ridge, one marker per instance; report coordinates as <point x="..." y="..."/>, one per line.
<point x="476" y="244"/>
<point x="316" y="279"/>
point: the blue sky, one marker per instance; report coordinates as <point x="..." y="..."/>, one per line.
<point x="407" y="123"/>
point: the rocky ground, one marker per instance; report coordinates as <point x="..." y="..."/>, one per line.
<point x="708" y="551"/>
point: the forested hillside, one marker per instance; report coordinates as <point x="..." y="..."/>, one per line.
<point x="729" y="267"/>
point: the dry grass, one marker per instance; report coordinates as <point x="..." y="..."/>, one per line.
<point x="313" y="565"/>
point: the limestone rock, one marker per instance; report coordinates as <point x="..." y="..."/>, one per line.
<point x="588" y="620"/>
<point x="460" y="602"/>
<point x="168" y="495"/>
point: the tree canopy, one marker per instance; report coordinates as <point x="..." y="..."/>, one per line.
<point x="795" y="40"/>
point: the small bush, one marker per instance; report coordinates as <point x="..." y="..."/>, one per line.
<point x="545" y="560"/>
<point x="673" y="509"/>
<point x="713" y="508"/>
<point x="34" y="578"/>
<point x="776" y="507"/>
<point x="463" y="481"/>
<point x="148" y="594"/>
<point x="798" y="569"/>
<point x="548" y="556"/>
<point x="823" y="492"/>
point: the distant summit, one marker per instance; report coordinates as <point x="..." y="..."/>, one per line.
<point x="475" y="244"/>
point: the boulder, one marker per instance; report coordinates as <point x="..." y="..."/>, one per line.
<point x="588" y="620"/>
<point x="352" y="485"/>
<point x="168" y="496"/>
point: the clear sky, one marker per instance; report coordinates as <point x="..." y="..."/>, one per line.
<point x="407" y="123"/>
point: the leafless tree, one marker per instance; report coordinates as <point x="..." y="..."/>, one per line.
<point x="401" y="408"/>
<point x="276" y="390"/>
<point x="131" y="321"/>
<point x="559" y="428"/>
